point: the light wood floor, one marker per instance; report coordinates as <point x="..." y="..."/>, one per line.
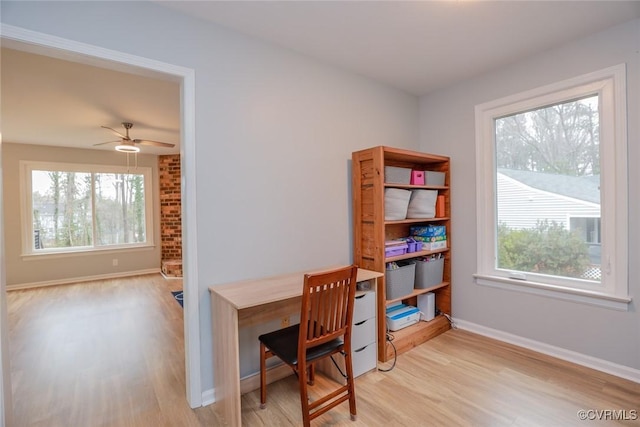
<point x="111" y="353"/>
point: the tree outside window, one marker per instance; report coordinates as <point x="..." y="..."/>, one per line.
<point x="72" y="209"/>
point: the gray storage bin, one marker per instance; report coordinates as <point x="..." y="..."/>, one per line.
<point x="433" y="178"/>
<point x="429" y="273"/>
<point x="399" y="282"/>
<point x="396" y="175"/>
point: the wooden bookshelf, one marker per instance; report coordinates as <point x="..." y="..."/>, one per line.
<point x="371" y="231"/>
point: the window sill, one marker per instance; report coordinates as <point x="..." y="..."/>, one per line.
<point x="84" y="252"/>
<point x="599" y="299"/>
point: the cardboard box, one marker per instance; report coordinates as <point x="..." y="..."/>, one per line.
<point x="428" y="230"/>
<point x="429" y="239"/>
<point x="434" y="246"/>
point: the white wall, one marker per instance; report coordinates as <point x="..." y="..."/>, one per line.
<point x="447" y="127"/>
<point x="274" y="136"/>
<point x="22" y="271"/>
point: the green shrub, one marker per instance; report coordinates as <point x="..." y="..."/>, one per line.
<point x="548" y="248"/>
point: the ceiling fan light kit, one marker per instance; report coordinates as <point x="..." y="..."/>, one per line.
<point x="127" y="148"/>
<point x="128" y="145"/>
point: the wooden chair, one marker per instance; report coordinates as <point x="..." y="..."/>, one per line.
<point x="324" y="330"/>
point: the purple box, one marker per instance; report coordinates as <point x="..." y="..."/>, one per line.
<point x="395" y="250"/>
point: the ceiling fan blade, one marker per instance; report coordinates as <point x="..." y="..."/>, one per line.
<point x="153" y="143"/>
<point x="115" y="132"/>
<point x="108" y="142"/>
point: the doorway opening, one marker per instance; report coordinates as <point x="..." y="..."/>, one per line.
<point x="43" y="44"/>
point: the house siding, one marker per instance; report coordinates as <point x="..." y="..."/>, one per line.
<point x="521" y="206"/>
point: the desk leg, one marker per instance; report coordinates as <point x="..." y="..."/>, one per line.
<point x="226" y="360"/>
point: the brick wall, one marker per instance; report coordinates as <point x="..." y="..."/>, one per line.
<point x="170" y="214"/>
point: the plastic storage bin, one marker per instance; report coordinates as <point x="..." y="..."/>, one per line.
<point x="396" y="250"/>
<point x="429" y="273"/>
<point x="396" y="175"/>
<point x="434" y="178"/>
<point x="399" y="282"/>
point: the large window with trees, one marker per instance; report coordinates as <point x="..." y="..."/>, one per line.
<point x="551" y="185"/>
<point x="83" y="208"/>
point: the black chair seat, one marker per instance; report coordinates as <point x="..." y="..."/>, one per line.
<point x="284" y="344"/>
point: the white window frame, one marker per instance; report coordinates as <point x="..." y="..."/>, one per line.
<point x="26" y="197"/>
<point x="612" y="292"/>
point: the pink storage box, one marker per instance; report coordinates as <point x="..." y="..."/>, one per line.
<point x="417" y="177"/>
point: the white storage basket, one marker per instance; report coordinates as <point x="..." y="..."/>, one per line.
<point x="396" y="202"/>
<point x="422" y="204"/>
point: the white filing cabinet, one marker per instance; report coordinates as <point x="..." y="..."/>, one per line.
<point x="363" y="338"/>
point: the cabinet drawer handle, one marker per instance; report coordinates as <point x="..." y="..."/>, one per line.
<point x="361" y="296"/>
<point x="360" y="323"/>
<point x="360" y="349"/>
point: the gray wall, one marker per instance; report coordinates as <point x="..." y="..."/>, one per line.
<point x="34" y="270"/>
<point x="6" y="400"/>
<point x="447" y="127"/>
<point x="274" y="136"/>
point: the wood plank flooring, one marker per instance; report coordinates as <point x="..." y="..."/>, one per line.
<point x="111" y="353"/>
<point x="463" y="379"/>
<point x="102" y="353"/>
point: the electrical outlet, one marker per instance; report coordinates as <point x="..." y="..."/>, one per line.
<point x="284" y="322"/>
<point x="115" y="262"/>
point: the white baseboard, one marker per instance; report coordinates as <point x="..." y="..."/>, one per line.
<point x="621" y="371"/>
<point x="208" y="397"/>
<point x="251" y="382"/>
<point x="171" y="277"/>
<point x="81" y="279"/>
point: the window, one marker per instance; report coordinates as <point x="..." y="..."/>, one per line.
<point x="84" y="208"/>
<point x="551" y="190"/>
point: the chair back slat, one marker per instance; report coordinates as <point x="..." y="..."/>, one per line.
<point x="327" y="306"/>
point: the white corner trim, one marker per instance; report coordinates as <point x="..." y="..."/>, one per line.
<point x="190" y="240"/>
<point x="621" y="371"/>
<point x="37" y="38"/>
<point x="79" y="279"/>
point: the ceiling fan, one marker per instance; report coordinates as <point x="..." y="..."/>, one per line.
<point x="128" y="145"/>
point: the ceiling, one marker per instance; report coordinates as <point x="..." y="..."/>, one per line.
<point x="53" y="101"/>
<point x="415" y="46"/>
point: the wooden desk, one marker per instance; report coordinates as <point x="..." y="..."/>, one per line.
<point x="245" y="303"/>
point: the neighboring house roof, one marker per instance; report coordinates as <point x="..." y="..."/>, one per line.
<point x="585" y="188"/>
